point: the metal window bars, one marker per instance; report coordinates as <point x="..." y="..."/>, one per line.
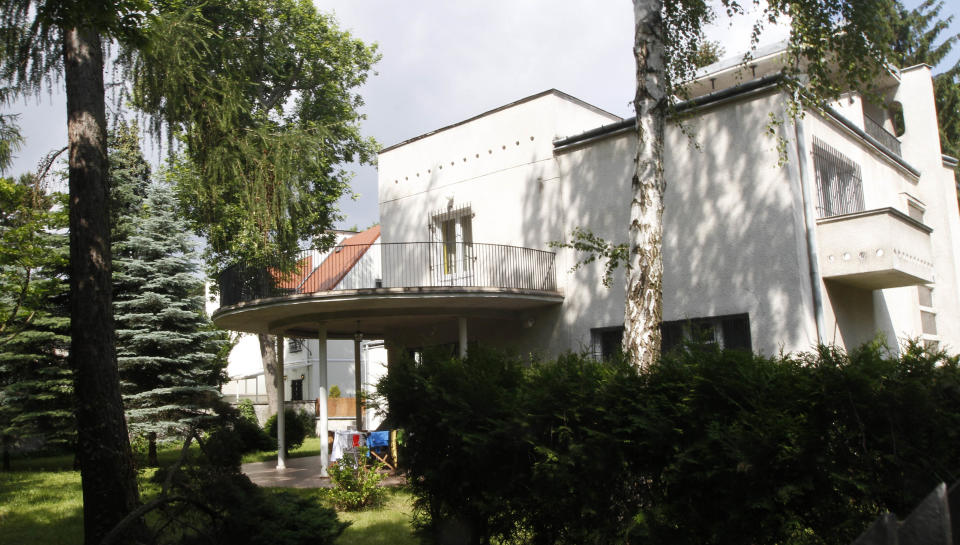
<point x="839" y="187"/>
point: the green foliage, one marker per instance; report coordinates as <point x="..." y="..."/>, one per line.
<point x="168" y="352"/>
<point x="294" y="430"/>
<point x="334" y="392"/>
<point x="247" y="412"/>
<point x="36" y="389"/>
<point x="703" y="446"/>
<point x="266" y="129"/>
<point x="356" y="480"/>
<point x="594" y="248"/>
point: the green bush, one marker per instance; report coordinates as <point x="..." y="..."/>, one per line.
<point x="334" y="392"/>
<point x="356" y="480"/>
<point x="247" y="412"/>
<point x="701" y="447"/>
<point x="211" y="501"/>
<point x="294" y="429"/>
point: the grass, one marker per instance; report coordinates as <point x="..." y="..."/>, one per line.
<point x="41" y="502"/>
<point x="311" y="447"/>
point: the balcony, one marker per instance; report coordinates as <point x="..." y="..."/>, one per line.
<point x="876" y="130"/>
<point x="875" y="249"/>
<point x="387" y="285"/>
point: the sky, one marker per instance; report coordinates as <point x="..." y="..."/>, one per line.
<point x="445" y="61"/>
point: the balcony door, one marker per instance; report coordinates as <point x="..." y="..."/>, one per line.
<point x="453" y="254"/>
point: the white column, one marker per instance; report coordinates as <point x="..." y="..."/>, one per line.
<point x="462" y="326"/>
<point x="281" y="432"/>
<point x="320" y="394"/>
<point x="358" y="384"/>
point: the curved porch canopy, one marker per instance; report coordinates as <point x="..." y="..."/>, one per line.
<point x="378" y="311"/>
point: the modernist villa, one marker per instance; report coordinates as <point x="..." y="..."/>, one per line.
<point x="855" y="234"/>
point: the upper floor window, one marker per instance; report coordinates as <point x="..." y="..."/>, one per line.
<point x="839" y="187"/>
<point x="294" y="345"/>
<point x="452" y="229"/>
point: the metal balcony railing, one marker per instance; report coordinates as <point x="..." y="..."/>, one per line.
<point x="876" y="130"/>
<point x="395" y="265"/>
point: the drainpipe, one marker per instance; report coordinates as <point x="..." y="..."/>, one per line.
<point x="810" y="224"/>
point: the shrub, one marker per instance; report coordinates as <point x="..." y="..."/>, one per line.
<point x="702" y="446"/>
<point x="334" y="391"/>
<point x="356" y="480"/>
<point x="294" y="430"/>
<point x="210" y="501"/>
<point x="247" y="412"/>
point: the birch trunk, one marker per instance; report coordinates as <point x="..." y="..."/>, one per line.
<point x="641" y="337"/>
<point x="268" y="356"/>
<point x="103" y="448"/>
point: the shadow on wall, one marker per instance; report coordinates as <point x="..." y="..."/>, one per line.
<point x="733" y="238"/>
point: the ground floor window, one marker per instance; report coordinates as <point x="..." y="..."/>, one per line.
<point x="724" y="332"/>
<point x="296" y="390"/>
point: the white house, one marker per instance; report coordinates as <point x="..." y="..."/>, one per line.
<point x="831" y="229"/>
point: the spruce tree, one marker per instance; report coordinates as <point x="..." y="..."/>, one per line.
<point x="170" y="357"/>
<point x="36" y="384"/>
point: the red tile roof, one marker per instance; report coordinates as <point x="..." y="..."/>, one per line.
<point x="340" y="261"/>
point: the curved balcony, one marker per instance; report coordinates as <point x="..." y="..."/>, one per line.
<point x="386" y="283"/>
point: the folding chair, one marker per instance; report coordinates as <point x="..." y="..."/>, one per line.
<point x="378" y="443"/>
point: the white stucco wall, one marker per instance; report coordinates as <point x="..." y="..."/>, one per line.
<point x="735" y="239"/>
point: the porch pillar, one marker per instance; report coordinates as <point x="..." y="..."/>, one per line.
<point x="320" y="395"/>
<point x="281" y="432"/>
<point x="358" y="383"/>
<point x="462" y="326"/>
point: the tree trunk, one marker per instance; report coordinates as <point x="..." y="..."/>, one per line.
<point x="641" y="337"/>
<point x="107" y="473"/>
<point x="268" y="356"/>
<point x="152" y="460"/>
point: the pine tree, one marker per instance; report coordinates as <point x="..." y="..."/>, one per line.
<point x="36" y="384"/>
<point x="170" y="357"/>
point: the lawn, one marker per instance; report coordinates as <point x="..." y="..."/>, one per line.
<point x="311" y="447"/>
<point x="40" y="502"/>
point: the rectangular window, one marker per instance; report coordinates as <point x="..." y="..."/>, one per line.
<point x="839" y="188"/>
<point x="925" y="296"/>
<point x="452" y="234"/>
<point x="724" y="332"/>
<point x="928" y="323"/>
<point x="296" y="390"/>
<point x="607" y="342"/>
<point x="294" y="345"/>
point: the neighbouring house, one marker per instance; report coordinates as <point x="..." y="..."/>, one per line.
<point x="301" y="355"/>
<point x="832" y="229"/>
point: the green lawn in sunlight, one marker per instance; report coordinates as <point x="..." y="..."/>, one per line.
<point x="40" y="502"/>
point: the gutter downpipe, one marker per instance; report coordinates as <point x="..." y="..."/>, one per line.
<point x="810" y="225"/>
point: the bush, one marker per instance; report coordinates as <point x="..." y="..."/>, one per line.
<point x="210" y="501"/>
<point x="293" y="426"/>
<point x="334" y="392"/>
<point x="247" y="412"/>
<point x="702" y="446"/>
<point x="356" y="480"/>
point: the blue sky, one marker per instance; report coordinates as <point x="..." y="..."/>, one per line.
<point x="445" y="61"/>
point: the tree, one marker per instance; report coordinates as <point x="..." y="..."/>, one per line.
<point x="854" y="35"/>
<point x="44" y="39"/>
<point x="169" y="354"/>
<point x="259" y="171"/>
<point x="35" y="379"/>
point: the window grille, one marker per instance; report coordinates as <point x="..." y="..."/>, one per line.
<point x="294" y="345"/>
<point x="839" y="187"/>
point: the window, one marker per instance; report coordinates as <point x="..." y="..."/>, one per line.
<point x="294" y="345"/>
<point x="452" y="231"/>
<point x="296" y="390"/>
<point x="723" y="332"/>
<point x="839" y="188"/>
<point x="606" y="342"/>
<point x="928" y="316"/>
